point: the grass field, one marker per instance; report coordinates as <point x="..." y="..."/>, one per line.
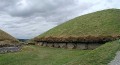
<point x="35" y="55"/>
<point x="32" y="55"/>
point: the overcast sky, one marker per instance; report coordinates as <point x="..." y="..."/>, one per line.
<point x="29" y="18"/>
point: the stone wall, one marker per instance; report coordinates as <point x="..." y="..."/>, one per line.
<point x="7" y="46"/>
<point x="9" y="49"/>
<point x="80" y="45"/>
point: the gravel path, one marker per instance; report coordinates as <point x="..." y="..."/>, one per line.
<point x="116" y="60"/>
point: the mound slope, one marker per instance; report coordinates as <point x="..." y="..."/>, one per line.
<point x="101" y="25"/>
<point x="6" y="38"/>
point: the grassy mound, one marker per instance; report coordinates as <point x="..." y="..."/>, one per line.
<point x="6" y="38"/>
<point x="100" y="24"/>
<point x="35" y="55"/>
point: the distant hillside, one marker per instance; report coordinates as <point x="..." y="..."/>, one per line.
<point x="105" y="23"/>
<point x="23" y="40"/>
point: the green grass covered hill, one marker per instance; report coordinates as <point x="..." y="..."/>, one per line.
<point x="35" y="55"/>
<point x="100" y="23"/>
<point x="6" y="37"/>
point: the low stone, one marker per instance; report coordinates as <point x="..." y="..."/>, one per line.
<point x="50" y="44"/>
<point x="56" y="45"/>
<point x="63" y="45"/>
<point x="93" y="45"/>
<point x="71" y="45"/>
<point x="81" y="46"/>
<point x="44" y="44"/>
<point x="40" y="43"/>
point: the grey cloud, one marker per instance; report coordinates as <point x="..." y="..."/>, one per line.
<point x="7" y="4"/>
<point x="29" y="18"/>
<point x="29" y="7"/>
<point x="26" y="8"/>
